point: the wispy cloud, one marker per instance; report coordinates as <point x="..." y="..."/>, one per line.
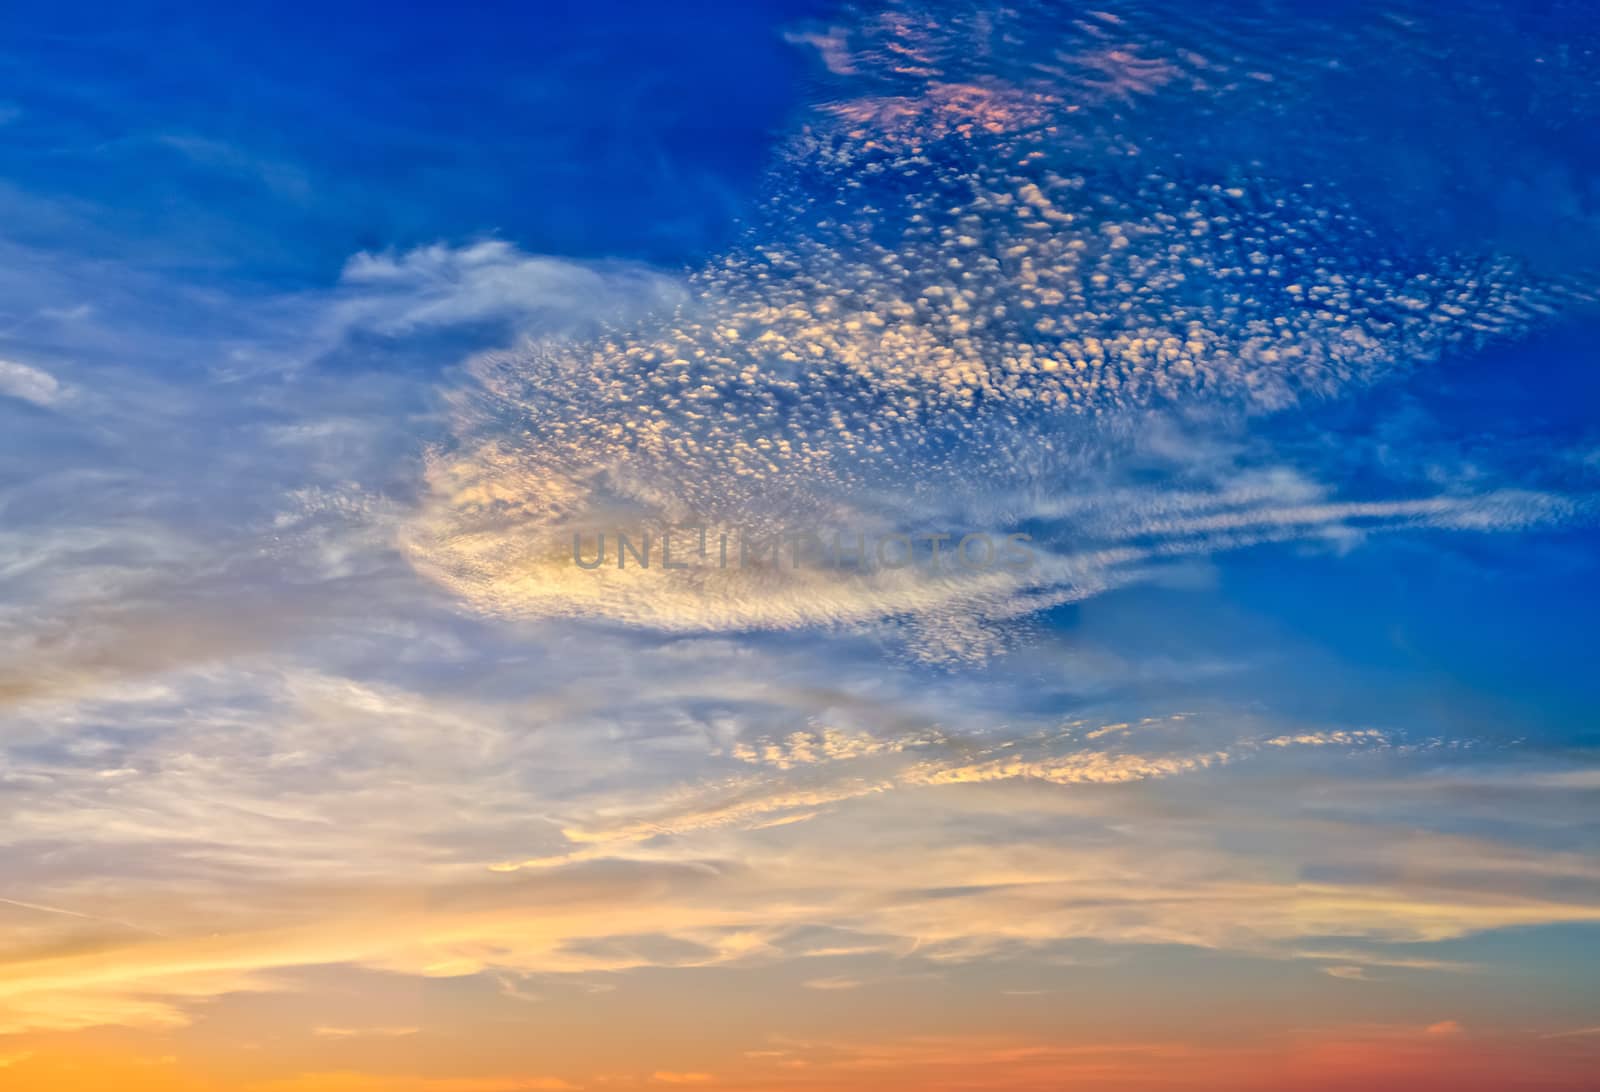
<point x="29" y="384"/>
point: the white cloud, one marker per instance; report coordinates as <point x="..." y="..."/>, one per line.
<point x="397" y="293"/>
<point x="29" y="384"/>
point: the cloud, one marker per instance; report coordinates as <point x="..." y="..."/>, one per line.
<point x="908" y="363"/>
<point x="349" y="1081"/>
<point x="835" y="983"/>
<point x="1051" y="757"/>
<point x="1579" y="1033"/>
<point x="1355" y="964"/>
<point x="363" y="1033"/>
<point x="29" y="384"/>
<point x="434" y="286"/>
<point x="501" y="536"/>
<point x="153" y="565"/>
<point x="275" y="819"/>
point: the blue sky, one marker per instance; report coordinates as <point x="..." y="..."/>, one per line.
<point x="263" y="145"/>
<point x="322" y="328"/>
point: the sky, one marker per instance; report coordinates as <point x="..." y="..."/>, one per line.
<point x="335" y="339"/>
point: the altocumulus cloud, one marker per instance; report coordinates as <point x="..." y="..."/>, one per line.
<point x="950" y="312"/>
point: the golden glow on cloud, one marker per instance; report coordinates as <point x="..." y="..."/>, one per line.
<point x="907" y="325"/>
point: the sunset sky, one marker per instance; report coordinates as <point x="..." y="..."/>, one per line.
<point x="1267" y="326"/>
